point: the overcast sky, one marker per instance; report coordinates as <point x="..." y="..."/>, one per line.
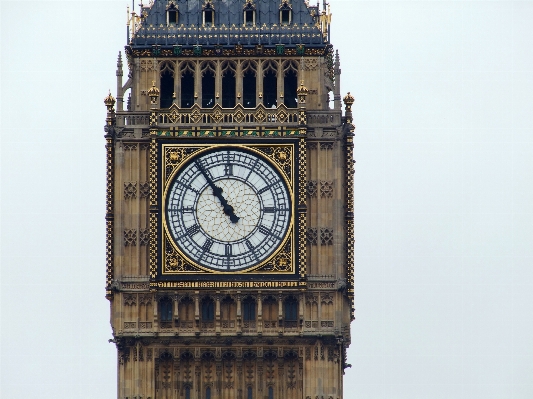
<point x="443" y="186"/>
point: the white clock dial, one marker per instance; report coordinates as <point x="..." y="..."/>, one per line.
<point x="228" y="209"/>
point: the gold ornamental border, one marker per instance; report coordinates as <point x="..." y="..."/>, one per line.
<point x="176" y="156"/>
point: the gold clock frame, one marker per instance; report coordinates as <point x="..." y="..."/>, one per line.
<point x="282" y="157"/>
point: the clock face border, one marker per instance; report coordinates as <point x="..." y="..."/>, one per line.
<point x="175" y="268"/>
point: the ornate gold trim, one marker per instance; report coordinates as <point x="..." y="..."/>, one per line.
<point x="349" y="200"/>
<point x="110" y="225"/>
<point x="280" y="156"/>
<point x="152" y="252"/>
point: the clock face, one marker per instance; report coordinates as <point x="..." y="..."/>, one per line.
<point x="228" y="209"/>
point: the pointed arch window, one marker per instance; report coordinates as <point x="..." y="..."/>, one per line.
<point x="208" y="11"/>
<point x="249" y="84"/>
<point x="187" y="84"/>
<point x="249" y="13"/>
<point x="208" y="85"/>
<point x="270" y="393"/>
<point x="250" y="393"/>
<point x="208" y="393"/>
<point x="187" y="392"/>
<point x="165" y="309"/>
<point x="285" y="13"/>
<point x="229" y="81"/>
<point x="248" y="312"/>
<point x="270" y="84"/>
<point x="167" y="84"/>
<point x="172" y="13"/>
<point x="208" y="310"/>
<point x="290" y="309"/>
<point x="290" y="84"/>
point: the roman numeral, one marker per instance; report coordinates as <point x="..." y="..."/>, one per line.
<point x="229" y="250"/>
<point x="191" y="231"/>
<point x="228" y="170"/>
<point x="207" y="244"/>
<point x="266" y="188"/>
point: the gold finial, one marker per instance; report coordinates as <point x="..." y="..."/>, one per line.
<point x="348" y="101"/>
<point x="154" y="91"/>
<point x="109" y="102"/>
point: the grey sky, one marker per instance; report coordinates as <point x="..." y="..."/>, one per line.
<point x="443" y="186"/>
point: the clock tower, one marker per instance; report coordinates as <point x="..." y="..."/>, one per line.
<point x="229" y="209"/>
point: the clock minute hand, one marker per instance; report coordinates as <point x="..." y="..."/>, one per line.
<point x="217" y="192"/>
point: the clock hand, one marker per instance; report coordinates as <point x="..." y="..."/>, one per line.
<point x="217" y="192"/>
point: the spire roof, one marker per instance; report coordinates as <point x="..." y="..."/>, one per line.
<point x="228" y="27"/>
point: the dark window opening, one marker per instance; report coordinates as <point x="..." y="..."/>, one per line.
<point x="248" y="309"/>
<point x="250" y="393"/>
<point x="285" y="16"/>
<point x="291" y="309"/>
<point x="187" y="393"/>
<point x="208" y="393"/>
<point x="187" y="89"/>
<point x="208" y="310"/>
<point x="208" y="17"/>
<point x="249" y="89"/>
<point x="270" y="393"/>
<point x="249" y="17"/>
<point x="228" y="89"/>
<point x="208" y="90"/>
<point x="172" y="17"/>
<point x="167" y="89"/>
<point x="290" y="86"/>
<point x="165" y="308"/>
<point x="270" y="95"/>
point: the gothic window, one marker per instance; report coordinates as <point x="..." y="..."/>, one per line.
<point x="228" y="313"/>
<point x="249" y="84"/>
<point x="270" y="312"/>
<point x="208" y="13"/>
<point x="167" y="84"/>
<point x="165" y="309"/>
<point x="208" y="393"/>
<point x="187" y="85"/>
<point x="186" y="313"/>
<point x="290" y="84"/>
<point x="208" y="310"/>
<point x="285" y="13"/>
<point x="250" y="396"/>
<point x="172" y="14"/>
<point x="229" y="82"/>
<point x="187" y="393"/>
<point x="290" y="309"/>
<point x="270" y="84"/>
<point x="248" y="313"/>
<point x="249" y="13"/>
<point x="208" y="85"/>
<point x="270" y="393"/>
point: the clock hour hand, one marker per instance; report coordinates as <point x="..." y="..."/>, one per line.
<point x="217" y="192"/>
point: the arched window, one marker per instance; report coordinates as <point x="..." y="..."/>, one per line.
<point x="208" y="13"/>
<point x="270" y="312"/>
<point x="270" y="393"/>
<point x="167" y="84"/>
<point x="165" y="309"/>
<point x="186" y="313"/>
<point x="228" y="84"/>
<point x="248" y="311"/>
<point x="228" y="312"/>
<point x="285" y="13"/>
<point x="208" y="85"/>
<point x="290" y="84"/>
<point x="249" y="13"/>
<point x="187" y="85"/>
<point x="187" y="392"/>
<point x="250" y="393"/>
<point x="249" y="84"/>
<point x="208" y="310"/>
<point x="208" y="393"/>
<point x="172" y="13"/>
<point x="290" y="310"/>
<point x="270" y="84"/>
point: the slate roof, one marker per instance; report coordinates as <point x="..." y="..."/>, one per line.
<point x="228" y="29"/>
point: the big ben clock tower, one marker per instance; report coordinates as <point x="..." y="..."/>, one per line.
<point x="229" y="205"/>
